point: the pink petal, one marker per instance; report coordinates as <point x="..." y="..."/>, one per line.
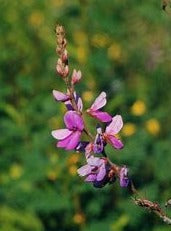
<point x="73" y="121"/>
<point x="84" y="170"/>
<point x="59" y="96"/>
<point x="94" y="161"/>
<point x="80" y="104"/>
<point x="102" y="116"/>
<point x="115" y="126"/>
<point x="99" y="102"/>
<point x="63" y="143"/>
<point x="61" y="134"/>
<point x="116" y="143"/>
<point x="102" y="172"/>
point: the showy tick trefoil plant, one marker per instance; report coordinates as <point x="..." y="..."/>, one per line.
<point x="98" y="169"/>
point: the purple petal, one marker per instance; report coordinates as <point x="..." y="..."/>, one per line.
<point x="102" y="116"/>
<point x="61" y="134"/>
<point x="73" y="121"/>
<point x="75" y="138"/>
<point x="91" y="178"/>
<point x="59" y="96"/>
<point x="84" y="170"/>
<point x="99" y="102"/>
<point x="115" y="126"/>
<point x="116" y="143"/>
<point x="70" y="142"/>
<point x="102" y="172"/>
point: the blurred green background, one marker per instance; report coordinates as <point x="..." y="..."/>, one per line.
<point x="123" y="48"/>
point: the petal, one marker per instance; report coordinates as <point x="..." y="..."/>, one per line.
<point x="80" y="104"/>
<point x="116" y="143"/>
<point x="63" y="143"/>
<point x="73" y="121"/>
<point x="99" y="102"/>
<point x="115" y="126"/>
<point x="60" y="96"/>
<point x="91" y="178"/>
<point x="102" y="172"/>
<point x="94" y="161"/>
<point x="74" y="140"/>
<point x="102" y="116"/>
<point x="61" y="134"/>
<point x="84" y="170"/>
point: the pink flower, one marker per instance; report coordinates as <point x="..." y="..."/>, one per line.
<point x="94" y="170"/>
<point x="111" y="130"/>
<point x="94" y="109"/>
<point x="70" y="136"/>
<point x="76" y="76"/>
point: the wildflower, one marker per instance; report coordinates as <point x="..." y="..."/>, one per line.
<point x="98" y="143"/>
<point x="153" y="126"/>
<point x="123" y="175"/>
<point x="94" y="171"/>
<point x="94" y="109"/>
<point x="76" y="76"/>
<point x="129" y="129"/>
<point x="70" y="136"/>
<point x="111" y="130"/>
<point x="138" y="108"/>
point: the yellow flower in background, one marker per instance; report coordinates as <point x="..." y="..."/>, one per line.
<point x="80" y="37"/>
<point x="36" y="18"/>
<point x="100" y="40"/>
<point x="153" y="126"/>
<point x="52" y="175"/>
<point x="87" y="96"/>
<point x="57" y="3"/>
<point x="15" y="171"/>
<point x="138" y="108"/>
<point x="114" y="51"/>
<point x="79" y="218"/>
<point x="128" y="129"/>
<point x="91" y="83"/>
<point x="74" y="158"/>
<point x="72" y="170"/>
<point x="82" y="54"/>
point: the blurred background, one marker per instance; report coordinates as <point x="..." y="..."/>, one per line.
<point x="123" y="48"/>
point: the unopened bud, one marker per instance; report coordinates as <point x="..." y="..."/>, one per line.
<point x="76" y="76"/>
<point x="59" y="67"/>
<point x="65" y="57"/>
<point x="66" y="71"/>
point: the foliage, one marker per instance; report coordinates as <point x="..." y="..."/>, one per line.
<point x="122" y="48"/>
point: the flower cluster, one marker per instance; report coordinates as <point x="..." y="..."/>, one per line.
<point x="98" y="170"/>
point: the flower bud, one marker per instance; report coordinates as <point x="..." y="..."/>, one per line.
<point x="76" y="76"/>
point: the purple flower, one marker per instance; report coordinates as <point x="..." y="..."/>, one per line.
<point x="94" y="109"/>
<point x="111" y="130"/>
<point x="78" y="102"/>
<point x="94" y="170"/>
<point x="98" y="143"/>
<point x="123" y="175"/>
<point x="70" y="136"/>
